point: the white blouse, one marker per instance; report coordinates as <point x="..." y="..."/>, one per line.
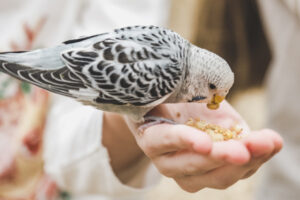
<point x="78" y="162"/>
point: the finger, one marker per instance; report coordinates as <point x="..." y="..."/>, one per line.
<point x="190" y="163"/>
<point x="164" y="138"/>
<point x="260" y="144"/>
<point x="276" y="138"/>
<point x="269" y="149"/>
<point x="233" y="152"/>
<point x="220" y="178"/>
<point x="185" y="164"/>
<point x="256" y="162"/>
<point x="277" y="143"/>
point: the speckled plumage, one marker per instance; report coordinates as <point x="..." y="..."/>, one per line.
<point x="128" y="71"/>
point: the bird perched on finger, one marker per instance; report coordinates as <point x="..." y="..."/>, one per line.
<point x="129" y="71"/>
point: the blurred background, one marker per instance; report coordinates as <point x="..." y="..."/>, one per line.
<point x="239" y="31"/>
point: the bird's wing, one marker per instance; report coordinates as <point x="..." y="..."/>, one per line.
<point x="125" y="71"/>
<point x="135" y="65"/>
<point x="59" y="81"/>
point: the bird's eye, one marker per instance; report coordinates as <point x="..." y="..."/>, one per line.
<point x="212" y="86"/>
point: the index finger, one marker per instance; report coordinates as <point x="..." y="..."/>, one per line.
<point x="166" y="138"/>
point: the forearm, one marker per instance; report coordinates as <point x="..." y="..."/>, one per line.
<point x="120" y="143"/>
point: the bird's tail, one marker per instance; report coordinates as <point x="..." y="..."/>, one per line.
<point x="58" y="80"/>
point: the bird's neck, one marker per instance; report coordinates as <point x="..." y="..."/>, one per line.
<point x="178" y="96"/>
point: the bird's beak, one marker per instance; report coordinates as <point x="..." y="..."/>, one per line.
<point x="215" y="102"/>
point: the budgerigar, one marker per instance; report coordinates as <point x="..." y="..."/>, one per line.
<point x="129" y="71"/>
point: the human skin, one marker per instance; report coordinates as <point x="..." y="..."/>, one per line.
<point x="186" y="154"/>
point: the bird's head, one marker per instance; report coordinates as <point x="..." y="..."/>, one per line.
<point x="208" y="78"/>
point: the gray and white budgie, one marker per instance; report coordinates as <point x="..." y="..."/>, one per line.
<point x="128" y="71"/>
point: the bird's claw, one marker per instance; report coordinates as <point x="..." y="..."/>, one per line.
<point x="153" y="120"/>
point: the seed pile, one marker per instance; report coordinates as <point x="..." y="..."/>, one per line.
<point x="216" y="132"/>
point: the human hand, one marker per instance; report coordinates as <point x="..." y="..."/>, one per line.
<point x="190" y="157"/>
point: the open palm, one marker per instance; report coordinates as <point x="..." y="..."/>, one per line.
<point x="190" y="157"/>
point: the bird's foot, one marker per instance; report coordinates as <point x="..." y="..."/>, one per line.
<point x="153" y="120"/>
